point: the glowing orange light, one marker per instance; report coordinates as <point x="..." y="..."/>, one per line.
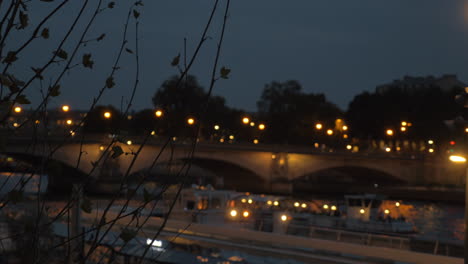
<point x="158" y="113"/>
<point x="65" y="108"/>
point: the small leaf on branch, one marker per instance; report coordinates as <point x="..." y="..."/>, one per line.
<point x="87" y="62"/>
<point x="116" y="152"/>
<point x="4" y="80"/>
<point x="23" y="17"/>
<point x="175" y="60"/>
<point x="101" y="37"/>
<point x="62" y="54"/>
<point x="110" y="82"/>
<point x="111" y="5"/>
<point x="86" y="205"/>
<point x="15" y="196"/>
<point x="127" y="234"/>
<point x="136" y="14"/>
<point x="45" y="33"/>
<point x="129" y="50"/>
<point x="55" y="90"/>
<point x="10" y="57"/>
<point x="21" y="99"/>
<point x="225" y="72"/>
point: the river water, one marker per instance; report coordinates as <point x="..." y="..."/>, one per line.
<point x="433" y="221"/>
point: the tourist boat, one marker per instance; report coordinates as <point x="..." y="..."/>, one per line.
<point x="362" y="213"/>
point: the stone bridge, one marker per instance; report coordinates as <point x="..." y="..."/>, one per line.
<point x="247" y="167"/>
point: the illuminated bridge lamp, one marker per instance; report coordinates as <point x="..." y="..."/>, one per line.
<point x="245" y="214"/>
<point x="190" y="121"/>
<point x="362" y="211"/>
<point x="404" y="123"/>
<point x="387" y="149"/>
<point x="403" y="129"/>
<point x="296" y="204"/>
<point x="389" y="132"/>
<point x="250" y="201"/>
<point x="255" y="141"/>
<point x="284" y="218"/>
<point x="244" y="200"/>
<point x="318" y="126"/>
<point x="275" y="203"/>
<point x="269" y="202"/>
<point x="245" y="120"/>
<point x="216" y="127"/>
<point x="261" y="126"/>
<point x="325" y="206"/>
<point x="387" y="211"/>
<point x="430" y="141"/>
<point x="65" y="108"/>
<point x="333" y="208"/>
<point x="107" y="115"/>
<point x="18" y="109"/>
<point x="158" y="113"/>
<point x="344" y="128"/>
<point x="69" y="122"/>
<point x="329" y="132"/>
<point x="303" y="205"/>
<point x="349" y="147"/>
<point x="397" y="204"/>
<point x="252" y="124"/>
<point x="129" y="142"/>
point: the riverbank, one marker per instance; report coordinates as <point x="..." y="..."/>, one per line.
<point x="423" y="193"/>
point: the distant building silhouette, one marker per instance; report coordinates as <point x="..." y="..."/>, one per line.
<point x="409" y="83"/>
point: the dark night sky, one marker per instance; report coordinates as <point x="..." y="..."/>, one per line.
<point x="339" y="48"/>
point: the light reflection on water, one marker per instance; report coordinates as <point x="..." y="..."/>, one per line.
<point x="437" y="221"/>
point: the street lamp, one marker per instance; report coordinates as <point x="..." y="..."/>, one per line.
<point x="245" y="120"/>
<point x="462" y="159"/>
<point x="65" y="108"/>
<point x="318" y="126"/>
<point x="261" y="127"/>
<point x="158" y="113"/>
<point x="329" y="132"/>
<point x="190" y="121"/>
<point x="107" y="115"/>
<point x="18" y="109"/>
<point x="389" y="132"/>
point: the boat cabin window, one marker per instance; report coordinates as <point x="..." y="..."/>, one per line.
<point x="202" y="203"/>
<point x="354" y="202"/>
<point x="367" y="202"/>
<point x="376" y="203"/>
<point x="215" y="203"/>
<point x="190" y="205"/>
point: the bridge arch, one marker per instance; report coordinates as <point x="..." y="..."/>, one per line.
<point x="219" y="173"/>
<point x="61" y="175"/>
<point x="344" y="179"/>
<point x="350" y="174"/>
